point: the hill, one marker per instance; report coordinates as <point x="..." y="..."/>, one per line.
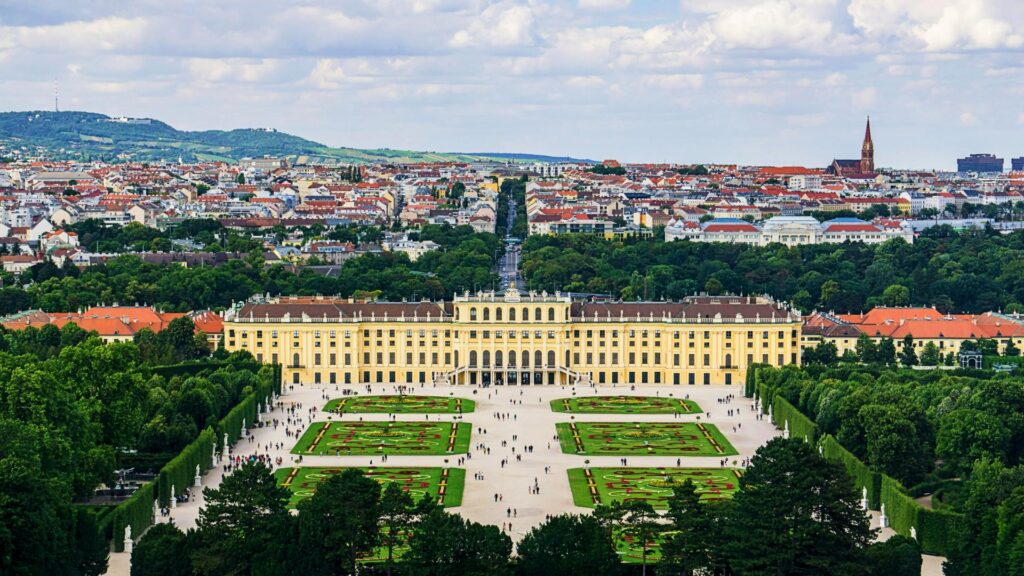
<point x="87" y="135"/>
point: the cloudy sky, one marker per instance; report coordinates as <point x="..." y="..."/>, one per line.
<point x="748" y="81"/>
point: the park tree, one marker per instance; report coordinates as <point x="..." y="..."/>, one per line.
<point x="1010" y="349"/>
<point x="397" y="513"/>
<point x="930" y="355"/>
<point x="243" y="523"/>
<point x="162" y="551"/>
<point x="448" y="545"/>
<point x="897" y="556"/>
<point x="641" y="522"/>
<point x="908" y="357"/>
<point x="796" y="513"/>
<point x="867" y="350"/>
<point x="568" y="545"/>
<point x="965" y="435"/>
<point x="694" y="543"/>
<point x="341" y="520"/>
<point x="886" y="352"/>
<point x="896" y="295"/>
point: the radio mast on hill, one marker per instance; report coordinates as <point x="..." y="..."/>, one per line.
<point x="56" y="96"/>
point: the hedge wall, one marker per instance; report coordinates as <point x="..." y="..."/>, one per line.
<point x="936" y="529"/>
<point x="181" y="470"/>
<point x="863" y="476"/>
<point x="136" y="511"/>
<point x="750" y="386"/>
<point x="800" y="426"/>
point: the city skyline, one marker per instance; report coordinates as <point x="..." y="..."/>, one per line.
<point x="758" y="82"/>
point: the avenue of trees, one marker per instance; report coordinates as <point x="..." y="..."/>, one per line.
<point x="954" y="271"/>
<point x="464" y="262"/>
<point x="796" y="513"/>
<point x="958" y="436"/>
<point x="72" y="411"/>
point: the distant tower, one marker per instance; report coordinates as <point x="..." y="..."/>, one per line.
<point x="867" y="151"/>
<point x="56" y="97"/>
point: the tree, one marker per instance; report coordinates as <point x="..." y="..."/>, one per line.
<point x="162" y="551"/>
<point x="965" y="435"/>
<point x="91" y="547"/>
<point x="896" y="295"/>
<point x="640" y="522"/>
<point x="571" y="545"/>
<point x="886" y="352"/>
<point x="930" y="355"/>
<point x="907" y="355"/>
<point x="694" y="541"/>
<point x="796" y="513"/>
<point x="867" y="351"/>
<point x="448" y="545"/>
<point x="240" y="179"/>
<point x="1010" y="349"/>
<point x="897" y="556"/>
<point x="396" y="516"/>
<point x="341" y="520"/>
<point x="242" y="524"/>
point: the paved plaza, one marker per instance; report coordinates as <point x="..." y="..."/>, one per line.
<point x="514" y="445"/>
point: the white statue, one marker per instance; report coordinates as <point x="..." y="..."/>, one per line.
<point x="785" y="431"/>
<point x="198" y="477"/>
<point x="864" y="499"/>
<point x="174" y="501"/>
<point x="227" y="446"/>
<point x="883" y="520"/>
<point x="128" y="539"/>
<point x="913" y="533"/>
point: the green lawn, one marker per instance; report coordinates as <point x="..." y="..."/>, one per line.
<point x="372" y="438"/>
<point x="643" y="439"/>
<point x="445" y="485"/>
<point x="625" y="405"/>
<point x="400" y="404"/>
<point x="594" y="486"/>
<point x="631" y="552"/>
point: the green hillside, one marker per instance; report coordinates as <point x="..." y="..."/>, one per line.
<point x="86" y="135"/>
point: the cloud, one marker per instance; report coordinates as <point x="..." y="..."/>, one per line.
<point x="431" y="73"/>
<point x="603" y="4"/>
<point x="503" y="25"/>
<point x="968" y="119"/>
<point x="941" y="26"/>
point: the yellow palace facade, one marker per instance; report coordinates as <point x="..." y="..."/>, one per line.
<point x="516" y="339"/>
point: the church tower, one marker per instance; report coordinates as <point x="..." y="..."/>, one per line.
<point x="867" y="151"/>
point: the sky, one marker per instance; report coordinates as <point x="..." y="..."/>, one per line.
<point x="782" y="82"/>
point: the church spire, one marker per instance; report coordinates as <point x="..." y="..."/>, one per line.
<point x="867" y="151"/>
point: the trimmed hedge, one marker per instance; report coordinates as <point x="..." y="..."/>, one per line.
<point x="936" y="529"/>
<point x="863" y="476"/>
<point x="136" y="511"/>
<point x="180" y="471"/>
<point x="750" y="385"/>
<point x="800" y="426"/>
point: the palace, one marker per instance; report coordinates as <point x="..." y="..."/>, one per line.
<point x="534" y="338"/>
